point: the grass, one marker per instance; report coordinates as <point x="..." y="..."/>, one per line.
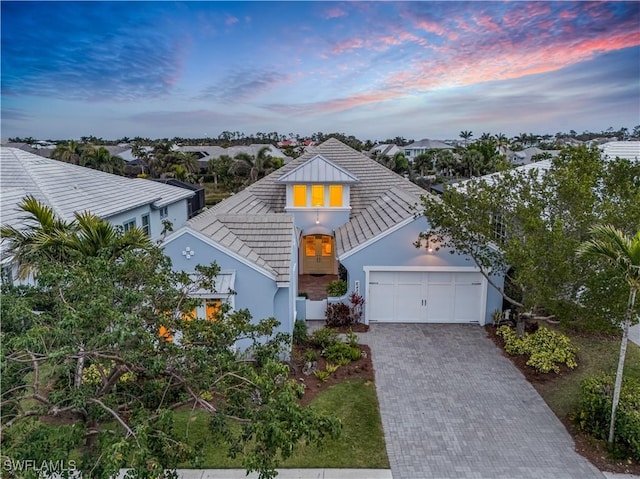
<point x="361" y="444"/>
<point x="596" y="355"/>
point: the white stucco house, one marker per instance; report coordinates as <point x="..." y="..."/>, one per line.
<point x="68" y="188"/>
<point x="333" y="205"/>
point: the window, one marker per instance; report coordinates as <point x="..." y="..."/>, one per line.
<point x="129" y="225"/>
<point x="145" y="225"/>
<point x="317" y="195"/>
<point x="299" y="195"/>
<point x="213" y="309"/>
<point x="164" y="212"/>
<point x="335" y="195"/>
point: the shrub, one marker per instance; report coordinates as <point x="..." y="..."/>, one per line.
<point x="357" y="305"/>
<point x="339" y="352"/>
<point x="332" y="368"/>
<point x="337" y="288"/>
<point x="546" y="348"/>
<point x="310" y="356"/>
<point x="322" y="375"/>
<point x="594" y="411"/>
<point x="323" y="338"/>
<point x="299" y="332"/>
<point x="338" y="314"/>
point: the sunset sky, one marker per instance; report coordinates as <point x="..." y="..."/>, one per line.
<point x="371" y="69"/>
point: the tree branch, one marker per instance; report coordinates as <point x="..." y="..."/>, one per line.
<point x="116" y="417"/>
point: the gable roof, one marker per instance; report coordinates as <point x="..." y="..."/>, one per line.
<point x="256" y="216"/>
<point x="70" y="188"/>
<point x="318" y="170"/>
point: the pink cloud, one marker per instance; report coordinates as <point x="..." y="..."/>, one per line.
<point x="230" y="21"/>
<point x="346" y="45"/>
<point x="334" y="12"/>
<point x="431" y="27"/>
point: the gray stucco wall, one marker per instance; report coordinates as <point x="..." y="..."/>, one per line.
<point x="396" y="249"/>
<point x="255" y="291"/>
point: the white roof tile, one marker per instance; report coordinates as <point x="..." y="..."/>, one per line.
<point x="70" y="188"/>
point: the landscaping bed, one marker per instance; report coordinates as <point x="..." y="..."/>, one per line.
<point x="561" y="390"/>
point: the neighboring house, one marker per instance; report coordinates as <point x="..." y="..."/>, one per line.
<point x="419" y="147"/>
<point x="526" y="156"/>
<point x="209" y="152"/>
<point x="332" y="206"/>
<point x="628" y="150"/>
<point x="196" y="203"/>
<point x="68" y="188"/>
<point x="385" y="150"/>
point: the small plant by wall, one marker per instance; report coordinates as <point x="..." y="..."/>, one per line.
<point x="337" y="288"/>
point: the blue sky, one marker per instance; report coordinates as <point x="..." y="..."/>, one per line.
<point x="372" y="69"/>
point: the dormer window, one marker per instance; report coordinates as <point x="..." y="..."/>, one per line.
<point x="317" y="196"/>
<point x="318" y="183"/>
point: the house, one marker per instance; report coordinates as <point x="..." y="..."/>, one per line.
<point x="68" y="188"/>
<point x="628" y="150"/>
<point x="332" y="206"/>
<point x="529" y="155"/>
<point x="385" y="150"/>
<point x="419" y="147"/>
<point x="209" y="152"/>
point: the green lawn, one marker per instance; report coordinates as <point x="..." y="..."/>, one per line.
<point x="596" y="355"/>
<point x="361" y="444"/>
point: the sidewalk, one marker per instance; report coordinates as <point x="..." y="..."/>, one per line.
<point x="285" y="474"/>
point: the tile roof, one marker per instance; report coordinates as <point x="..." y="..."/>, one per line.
<point x="429" y="145"/>
<point x="380" y="200"/>
<point x="69" y="188"/>
<point x="629" y="150"/>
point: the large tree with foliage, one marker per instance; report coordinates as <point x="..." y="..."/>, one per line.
<point x="623" y="253"/>
<point x="101" y="354"/>
<point x="529" y="223"/>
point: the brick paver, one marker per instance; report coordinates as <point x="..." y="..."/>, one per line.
<point x="453" y="407"/>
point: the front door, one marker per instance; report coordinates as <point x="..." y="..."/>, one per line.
<point x="319" y="257"/>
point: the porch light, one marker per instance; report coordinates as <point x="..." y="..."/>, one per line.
<point x="317" y="217"/>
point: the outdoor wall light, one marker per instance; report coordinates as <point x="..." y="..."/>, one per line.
<point x="317" y="217"/>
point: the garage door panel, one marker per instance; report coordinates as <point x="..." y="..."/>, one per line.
<point x="381" y="300"/>
<point x="468" y="301"/>
<point x="409" y="302"/>
<point x="439" y="303"/>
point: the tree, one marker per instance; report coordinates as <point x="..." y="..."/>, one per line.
<point x="70" y="152"/>
<point x="528" y="223"/>
<point x="623" y="252"/>
<point x="48" y="238"/>
<point x="102" y="353"/>
<point x="101" y="159"/>
<point x="466" y="136"/>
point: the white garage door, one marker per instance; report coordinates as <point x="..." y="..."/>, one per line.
<point x="426" y="297"/>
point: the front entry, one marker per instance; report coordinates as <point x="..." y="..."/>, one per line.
<point x="318" y="255"/>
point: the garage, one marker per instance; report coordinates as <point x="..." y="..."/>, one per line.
<point x="426" y="296"/>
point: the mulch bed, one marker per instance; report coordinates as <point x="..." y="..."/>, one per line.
<point x="594" y="450"/>
<point x="360" y="369"/>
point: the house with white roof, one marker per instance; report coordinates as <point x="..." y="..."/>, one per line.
<point x="422" y="146"/>
<point x="68" y="189"/>
<point x="332" y="206"/>
<point x="628" y="150"/>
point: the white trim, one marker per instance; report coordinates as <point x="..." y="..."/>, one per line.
<point x="380" y="236"/>
<point x="283" y="284"/>
<point x="425" y="269"/>
<point x="219" y="247"/>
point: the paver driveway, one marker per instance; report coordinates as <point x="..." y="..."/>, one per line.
<point x="453" y="407"/>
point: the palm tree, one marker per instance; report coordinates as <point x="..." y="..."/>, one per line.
<point x="623" y="252"/>
<point x="466" y="135"/>
<point x="101" y="159"/>
<point x="70" y="152"/>
<point x="49" y="238"/>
